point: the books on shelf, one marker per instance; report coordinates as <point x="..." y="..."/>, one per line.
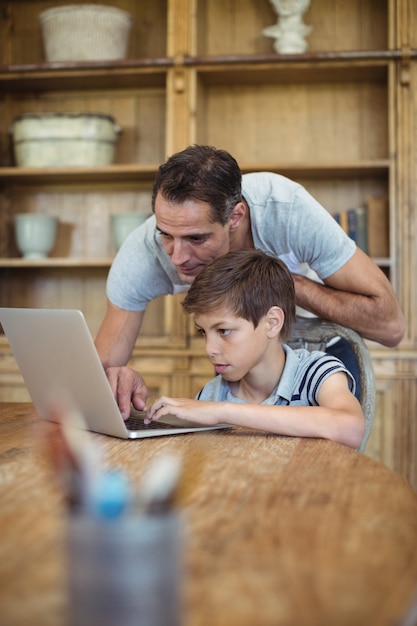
<point x="354" y="222"/>
<point x="358" y="227"/>
<point x="368" y="226"/>
<point x="378" y="226"/>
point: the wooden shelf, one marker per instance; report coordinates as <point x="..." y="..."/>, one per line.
<point x="147" y="173"/>
<point x="125" y="74"/>
<point x="348" y="57"/>
<point x="264" y="70"/>
<point x="58" y="175"/>
<point x="133" y="73"/>
<point x="54" y="262"/>
<point x="348" y="169"/>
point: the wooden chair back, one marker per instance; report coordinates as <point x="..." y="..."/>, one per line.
<point x="315" y="334"/>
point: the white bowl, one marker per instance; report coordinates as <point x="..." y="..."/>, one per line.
<point x="123" y="224"/>
<point x="64" y="139"/>
<point x="35" y="234"/>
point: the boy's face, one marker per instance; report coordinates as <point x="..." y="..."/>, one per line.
<point x="232" y="343"/>
<point x="189" y="237"/>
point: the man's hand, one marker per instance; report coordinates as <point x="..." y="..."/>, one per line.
<point x="128" y="387"/>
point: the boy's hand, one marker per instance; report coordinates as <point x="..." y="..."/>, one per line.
<point x="206" y="413"/>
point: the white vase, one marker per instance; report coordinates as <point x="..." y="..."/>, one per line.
<point x="35" y="234"/>
<point x="123" y="224"/>
<point x="290" y="31"/>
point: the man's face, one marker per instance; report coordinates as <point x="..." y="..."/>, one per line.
<point x="189" y="238"/>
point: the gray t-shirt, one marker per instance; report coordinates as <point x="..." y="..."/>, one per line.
<point x="286" y="222"/>
<point x="304" y="373"/>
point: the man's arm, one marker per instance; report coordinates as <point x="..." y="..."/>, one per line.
<point x="117" y="335"/>
<point x="114" y="342"/>
<point x="358" y="296"/>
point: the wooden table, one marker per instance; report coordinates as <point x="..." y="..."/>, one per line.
<point x="280" y="531"/>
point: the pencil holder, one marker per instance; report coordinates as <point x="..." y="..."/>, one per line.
<point x="125" y="571"/>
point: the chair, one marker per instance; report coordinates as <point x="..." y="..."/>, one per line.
<point x="315" y="334"/>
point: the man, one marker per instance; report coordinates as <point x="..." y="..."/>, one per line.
<point x="203" y="208"/>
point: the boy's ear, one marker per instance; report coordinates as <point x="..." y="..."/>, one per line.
<point x="275" y="321"/>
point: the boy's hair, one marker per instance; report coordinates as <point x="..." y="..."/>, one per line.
<point x="201" y="173"/>
<point x="249" y="282"/>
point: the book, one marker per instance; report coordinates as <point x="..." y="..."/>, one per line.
<point x="344" y="221"/>
<point x="358" y="227"/>
<point x="354" y="222"/>
<point x="378" y="226"/>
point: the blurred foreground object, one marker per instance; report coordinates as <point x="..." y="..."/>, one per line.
<point x="124" y="550"/>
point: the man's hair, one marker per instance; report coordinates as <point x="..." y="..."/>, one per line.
<point x="201" y="173"/>
<point x="249" y="282"/>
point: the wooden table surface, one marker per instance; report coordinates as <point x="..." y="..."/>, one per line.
<point x="280" y="531"/>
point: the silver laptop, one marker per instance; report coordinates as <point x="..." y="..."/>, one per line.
<point x="56" y="353"/>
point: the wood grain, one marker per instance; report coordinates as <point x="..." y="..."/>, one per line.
<point x="340" y="120"/>
<point x="277" y="531"/>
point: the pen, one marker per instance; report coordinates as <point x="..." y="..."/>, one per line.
<point x="110" y="495"/>
<point x="159" y="483"/>
<point x="74" y="461"/>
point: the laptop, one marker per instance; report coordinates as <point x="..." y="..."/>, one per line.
<point x="56" y="353"/>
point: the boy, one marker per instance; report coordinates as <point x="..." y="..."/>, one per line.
<point x="244" y="306"/>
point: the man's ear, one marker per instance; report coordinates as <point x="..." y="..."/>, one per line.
<point x="275" y="321"/>
<point x="238" y="215"/>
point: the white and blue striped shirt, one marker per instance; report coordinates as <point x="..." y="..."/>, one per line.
<point x="304" y="372"/>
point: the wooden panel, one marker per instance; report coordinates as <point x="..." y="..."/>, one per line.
<point x="230" y="27"/>
<point x="156" y="324"/>
<point x="296" y="122"/>
<point x="159" y="386"/>
<point x="201" y="371"/>
<point x="178" y="111"/>
<point x="379" y="446"/>
<point x="81" y="288"/>
<point x="406" y="218"/>
<point x="12" y="387"/>
<point x="340" y="25"/>
<point x="338" y="194"/>
<point x="393" y="440"/>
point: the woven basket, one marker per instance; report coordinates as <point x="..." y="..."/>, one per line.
<point x="86" y="32"/>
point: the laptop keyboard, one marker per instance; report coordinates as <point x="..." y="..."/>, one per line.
<point x="137" y="423"/>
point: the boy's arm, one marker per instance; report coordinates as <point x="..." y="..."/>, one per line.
<point x="338" y="417"/>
